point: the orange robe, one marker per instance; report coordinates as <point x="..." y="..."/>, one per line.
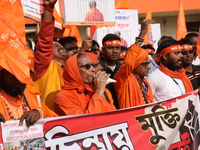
<point x="48" y="73"/>
<point x="17" y="111"/>
<point x="94" y="15"/>
<point x="127" y="87"/>
<point x="77" y="97"/>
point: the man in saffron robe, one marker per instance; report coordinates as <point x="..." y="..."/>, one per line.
<point x="93" y="14"/>
<point x="84" y="89"/>
<point x="18" y="100"/>
<point x="131" y="87"/>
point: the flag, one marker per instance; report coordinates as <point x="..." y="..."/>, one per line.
<point x="148" y="38"/>
<point x="57" y="17"/>
<point x="13" y="51"/>
<point x="73" y="31"/>
<point x="121" y="4"/>
<point x="181" y="30"/>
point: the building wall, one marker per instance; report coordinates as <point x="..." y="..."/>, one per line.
<point x="162" y="5"/>
<point x="169" y="28"/>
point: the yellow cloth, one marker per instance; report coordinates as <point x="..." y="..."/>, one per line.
<point x="45" y="85"/>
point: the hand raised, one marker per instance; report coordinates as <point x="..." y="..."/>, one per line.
<point x="86" y="44"/>
<point x="50" y="3"/>
<point x="144" y="24"/>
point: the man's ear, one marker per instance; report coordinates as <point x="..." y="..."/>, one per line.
<point x="165" y="56"/>
<point x="102" y="49"/>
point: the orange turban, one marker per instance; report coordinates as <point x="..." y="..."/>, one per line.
<point x="141" y="57"/>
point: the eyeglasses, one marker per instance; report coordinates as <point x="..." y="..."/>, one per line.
<point x="88" y="66"/>
<point x="71" y="48"/>
<point x="145" y="64"/>
<point x="186" y="52"/>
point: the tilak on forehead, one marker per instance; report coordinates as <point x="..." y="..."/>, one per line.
<point x="109" y="43"/>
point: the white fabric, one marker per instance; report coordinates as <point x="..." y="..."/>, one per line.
<point x="112" y="68"/>
<point x="164" y="87"/>
<point x="196" y="61"/>
<point x="153" y="65"/>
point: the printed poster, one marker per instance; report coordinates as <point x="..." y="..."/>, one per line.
<point x="126" y="27"/>
<point x="32" y="9"/>
<point x="21" y="137"/>
<point x="89" y="12"/>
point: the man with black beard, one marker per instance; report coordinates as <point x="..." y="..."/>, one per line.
<point x="169" y="79"/>
<point x="14" y="104"/>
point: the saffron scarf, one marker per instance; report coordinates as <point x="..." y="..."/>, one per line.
<point x="71" y="74"/>
<point x="180" y="74"/>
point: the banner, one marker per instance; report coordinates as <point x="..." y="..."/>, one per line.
<point x="172" y="124"/>
<point x="89" y="12"/>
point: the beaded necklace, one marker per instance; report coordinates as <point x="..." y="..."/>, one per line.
<point x="143" y="88"/>
<point x="22" y="106"/>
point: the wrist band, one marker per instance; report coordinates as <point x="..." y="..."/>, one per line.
<point x="48" y="8"/>
<point x="41" y="113"/>
<point x="139" y="40"/>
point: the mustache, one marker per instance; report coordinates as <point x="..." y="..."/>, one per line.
<point x="181" y="59"/>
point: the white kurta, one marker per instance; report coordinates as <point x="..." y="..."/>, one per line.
<point x="165" y="87"/>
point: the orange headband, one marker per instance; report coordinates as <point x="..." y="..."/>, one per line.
<point x="122" y="55"/>
<point x="186" y="46"/>
<point x="109" y="43"/>
<point x="170" y="49"/>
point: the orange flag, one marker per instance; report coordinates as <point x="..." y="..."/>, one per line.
<point x="73" y="31"/>
<point x="57" y="17"/>
<point x="148" y="38"/>
<point x="13" y="52"/>
<point x="181" y="30"/>
<point x="121" y="4"/>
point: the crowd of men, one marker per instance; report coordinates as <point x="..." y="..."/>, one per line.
<point x="70" y="80"/>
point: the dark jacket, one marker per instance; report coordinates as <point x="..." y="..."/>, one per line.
<point x="110" y="86"/>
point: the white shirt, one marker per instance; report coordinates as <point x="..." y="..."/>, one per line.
<point x="165" y="87"/>
<point x="153" y="65"/>
<point x="196" y="61"/>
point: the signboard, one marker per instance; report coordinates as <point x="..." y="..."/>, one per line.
<point x="89" y="12"/>
<point x="32" y="9"/>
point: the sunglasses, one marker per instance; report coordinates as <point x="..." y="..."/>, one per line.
<point x="88" y="66"/>
<point x="186" y="52"/>
<point x="71" y="48"/>
<point x="145" y="64"/>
